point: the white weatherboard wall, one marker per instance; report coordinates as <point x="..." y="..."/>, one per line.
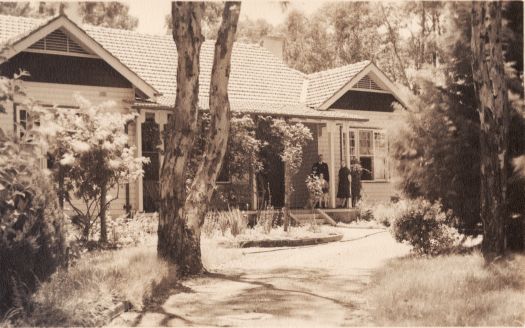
<point x="63" y="95"/>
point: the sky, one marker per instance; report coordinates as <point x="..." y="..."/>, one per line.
<point x="152" y="13"/>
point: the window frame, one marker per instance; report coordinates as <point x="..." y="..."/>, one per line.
<point x="374" y="156"/>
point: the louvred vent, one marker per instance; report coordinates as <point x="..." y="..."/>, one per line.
<point x="367" y="83"/>
<point x="59" y="41"/>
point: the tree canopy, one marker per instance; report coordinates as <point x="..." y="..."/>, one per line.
<point x="107" y="14"/>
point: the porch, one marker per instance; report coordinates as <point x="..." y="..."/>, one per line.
<point x="321" y="216"/>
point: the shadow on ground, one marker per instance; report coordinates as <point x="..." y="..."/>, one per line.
<point x="294" y="296"/>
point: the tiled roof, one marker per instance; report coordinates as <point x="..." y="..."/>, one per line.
<point x="13" y="28"/>
<point x="259" y="81"/>
<point x="322" y="85"/>
<point x="264" y="108"/>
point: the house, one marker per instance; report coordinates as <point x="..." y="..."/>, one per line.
<point x="348" y="109"/>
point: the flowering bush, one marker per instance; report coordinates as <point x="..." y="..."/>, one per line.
<point x="315" y="189"/>
<point x="426" y="227"/>
<point x="91" y="156"/>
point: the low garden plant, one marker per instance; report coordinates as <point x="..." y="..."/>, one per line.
<point x="426" y="227"/>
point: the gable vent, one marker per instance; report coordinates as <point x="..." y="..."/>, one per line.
<point x="367" y="83"/>
<point x="59" y="41"/>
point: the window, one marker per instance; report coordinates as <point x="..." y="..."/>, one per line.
<point x="353" y="152"/>
<point x="380" y="156"/>
<point x="370" y="147"/>
<point x="24" y="123"/>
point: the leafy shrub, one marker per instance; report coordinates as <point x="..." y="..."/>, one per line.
<point x="31" y="234"/>
<point x="125" y="231"/>
<point x="315" y="190"/>
<point x="426" y="227"/>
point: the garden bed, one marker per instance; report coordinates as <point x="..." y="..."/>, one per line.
<point x="291" y="242"/>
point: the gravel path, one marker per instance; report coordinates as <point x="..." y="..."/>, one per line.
<point x="309" y="286"/>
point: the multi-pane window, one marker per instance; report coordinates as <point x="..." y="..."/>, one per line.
<point x="370" y="148"/>
<point x="24" y="123"/>
<point x="353" y="148"/>
<point x="380" y="156"/>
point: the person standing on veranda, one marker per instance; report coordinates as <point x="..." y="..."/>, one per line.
<point x="343" y="188"/>
<point x="355" y="171"/>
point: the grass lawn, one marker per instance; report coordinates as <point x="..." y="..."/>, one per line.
<point x="81" y="295"/>
<point x="455" y="290"/>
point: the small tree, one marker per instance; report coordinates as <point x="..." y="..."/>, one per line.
<point x="91" y="158"/>
<point x="293" y="138"/>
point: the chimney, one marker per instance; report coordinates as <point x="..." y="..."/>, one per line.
<point x="71" y="9"/>
<point x="275" y="45"/>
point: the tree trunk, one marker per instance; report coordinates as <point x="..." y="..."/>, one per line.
<point x="287" y="195"/>
<point x="176" y="241"/>
<point x="102" y="214"/>
<point x="181" y="218"/>
<point x="218" y="133"/>
<point x="489" y="81"/>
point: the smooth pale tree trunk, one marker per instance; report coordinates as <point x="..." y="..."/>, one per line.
<point x="177" y="243"/>
<point x="181" y="218"/>
<point x="489" y="81"/>
<point x="218" y="133"/>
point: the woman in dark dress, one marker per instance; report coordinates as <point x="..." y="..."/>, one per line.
<point x="343" y="189"/>
<point x="355" y="170"/>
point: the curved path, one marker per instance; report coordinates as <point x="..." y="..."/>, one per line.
<point x="309" y="286"/>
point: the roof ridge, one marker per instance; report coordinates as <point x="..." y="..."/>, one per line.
<point x="330" y="70"/>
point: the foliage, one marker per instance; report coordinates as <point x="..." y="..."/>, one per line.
<point x="30" y="9"/>
<point x="31" y="233"/>
<point x="125" y="231"/>
<point x="453" y="290"/>
<point x="437" y="154"/>
<point x="242" y="156"/>
<point x="315" y="189"/>
<point x="426" y="227"/>
<point x="84" y="294"/>
<point x="293" y="138"/>
<point x="107" y="14"/>
<point x="91" y="152"/>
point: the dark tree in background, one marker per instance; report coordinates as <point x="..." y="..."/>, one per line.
<point x="491" y="91"/>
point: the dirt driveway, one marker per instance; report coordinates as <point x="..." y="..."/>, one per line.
<point x="306" y="286"/>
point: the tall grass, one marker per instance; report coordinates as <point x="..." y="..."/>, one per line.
<point x="232" y="221"/>
<point x="81" y="295"/>
<point x="455" y="290"/>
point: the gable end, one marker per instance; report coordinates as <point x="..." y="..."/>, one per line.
<point x="59" y="41"/>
